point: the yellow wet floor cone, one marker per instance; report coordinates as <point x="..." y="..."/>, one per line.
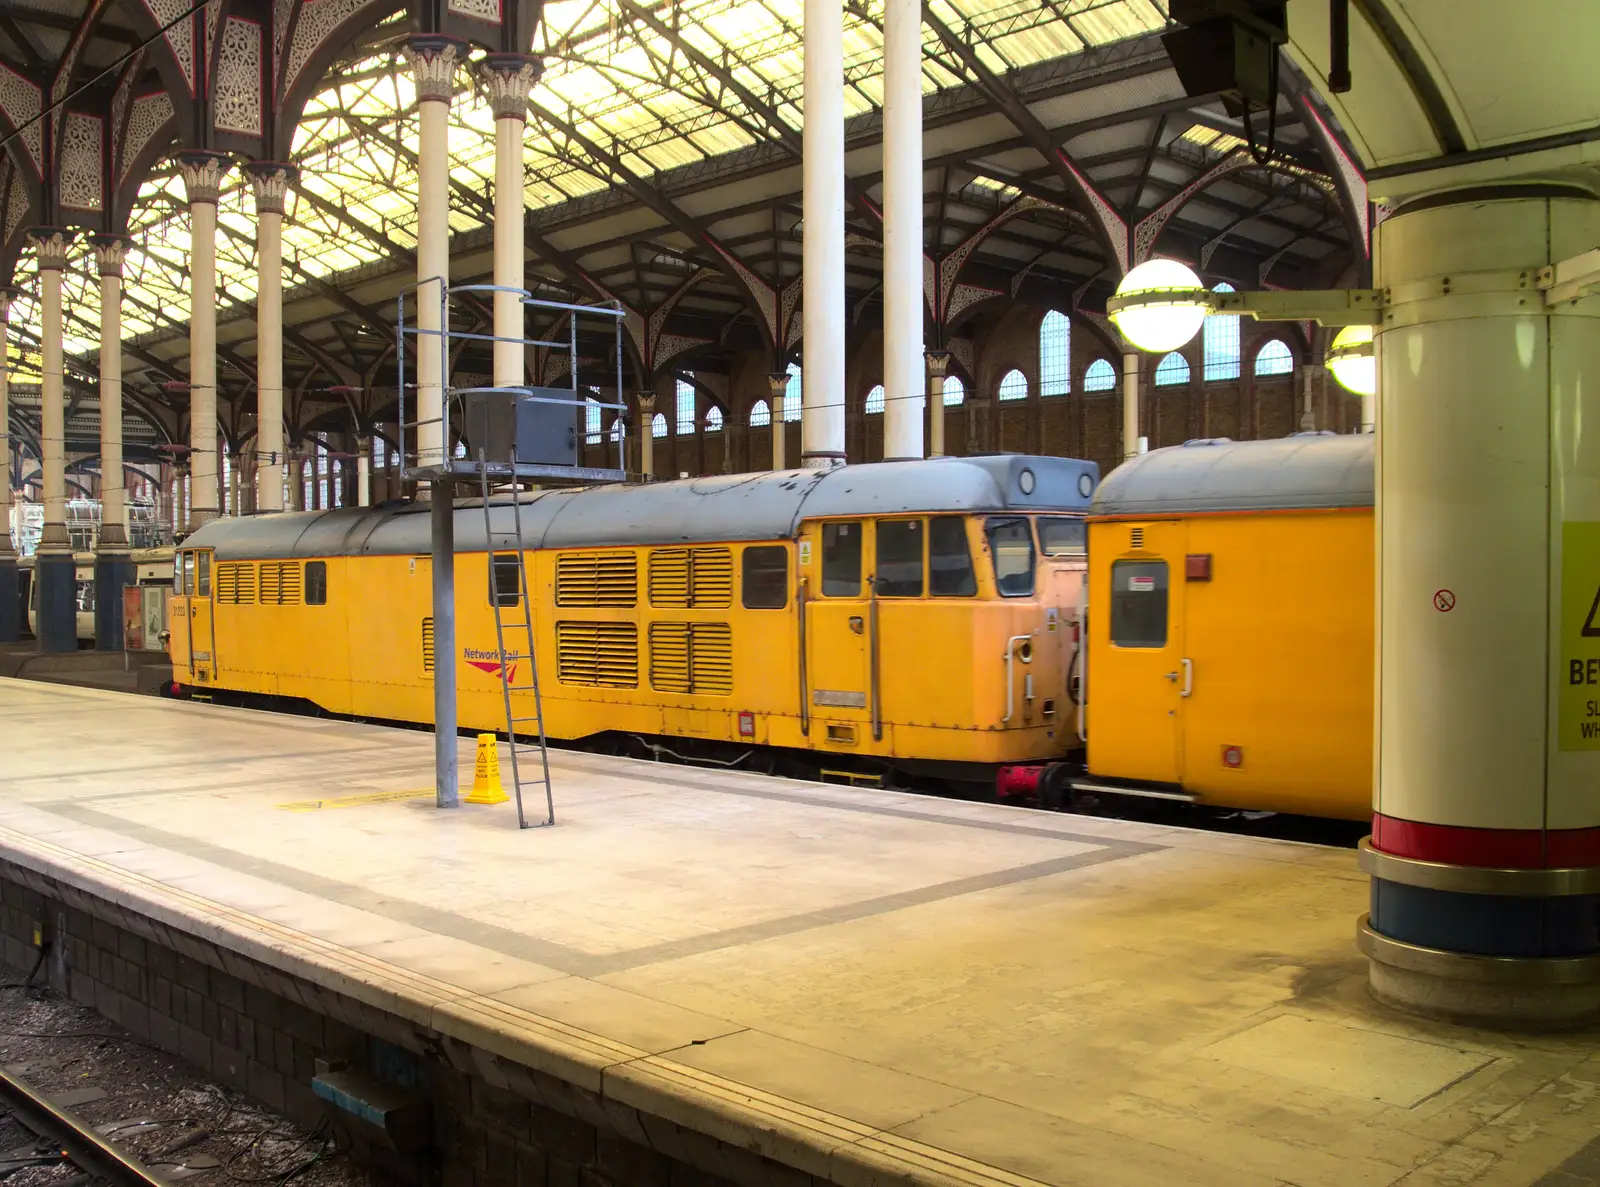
<point x="486" y="787"/>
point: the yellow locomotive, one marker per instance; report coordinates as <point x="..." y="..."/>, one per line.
<point x="913" y="615"/>
<point x="1230" y="635"/>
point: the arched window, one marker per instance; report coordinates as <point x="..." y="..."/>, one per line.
<point x="713" y="419"/>
<point x="591" y="420"/>
<point x="760" y="415"/>
<point x="1014" y="386"/>
<point x="1173" y="369"/>
<point x="955" y="392"/>
<point x="616" y="428"/>
<point x="685" y="406"/>
<point x="658" y="425"/>
<point x="1055" y="355"/>
<point x="1100" y="377"/>
<point x="875" y="400"/>
<point x="1274" y="359"/>
<point x="1221" y="342"/>
<point x="792" y="394"/>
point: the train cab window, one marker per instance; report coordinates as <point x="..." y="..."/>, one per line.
<point x="505" y="580"/>
<point x="950" y="572"/>
<point x="899" y="562"/>
<point x="1139" y="603"/>
<point x="766" y="578"/>
<point x="316" y="583"/>
<point x="841" y="560"/>
<point x="188" y="573"/>
<point x="203" y="580"/>
<point x="1011" y="542"/>
<point x="1059" y="536"/>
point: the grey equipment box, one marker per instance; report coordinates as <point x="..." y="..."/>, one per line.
<point x="535" y="426"/>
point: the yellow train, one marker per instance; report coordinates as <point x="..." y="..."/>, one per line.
<point x="913" y="615"/>
<point x="1198" y="627"/>
<point x="1230" y="638"/>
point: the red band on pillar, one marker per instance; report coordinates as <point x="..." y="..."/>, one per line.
<point x="1503" y="848"/>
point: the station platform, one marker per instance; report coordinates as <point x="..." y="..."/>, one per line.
<point x="762" y="979"/>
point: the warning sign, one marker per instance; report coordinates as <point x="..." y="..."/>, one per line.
<point x="1580" y="636"/>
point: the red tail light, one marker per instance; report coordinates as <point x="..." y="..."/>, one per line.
<point x="1017" y="781"/>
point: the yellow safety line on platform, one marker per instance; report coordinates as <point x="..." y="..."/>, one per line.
<point x="356" y="801"/>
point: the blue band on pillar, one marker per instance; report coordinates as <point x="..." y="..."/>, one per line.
<point x="1487" y="924"/>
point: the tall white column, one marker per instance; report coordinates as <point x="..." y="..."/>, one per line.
<point x="777" y="385"/>
<point x="202" y="176"/>
<point x="433" y="62"/>
<point x="8" y="550"/>
<point x="363" y="471"/>
<point x="56" y="621"/>
<point x="647" y="438"/>
<point x="271" y="181"/>
<point x="1308" y="414"/>
<point x="822" y="292"/>
<point x="1486" y="831"/>
<point x="938" y="368"/>
<point x="1130" y="405"/>
<point x="904" y="367"/>
<point x="109" y="251"/>
<point x="9" y="592"/>
<point x="508" y="78"/>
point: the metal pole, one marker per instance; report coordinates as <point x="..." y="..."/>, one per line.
<point x="447" y="778"/>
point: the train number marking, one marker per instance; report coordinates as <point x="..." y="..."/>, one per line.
<point x="1444" y="601"/>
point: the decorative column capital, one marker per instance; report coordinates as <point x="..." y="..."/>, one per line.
<point x="509" y="79"/>
<point x="51" y="244"/>
<point x="938" y="364"/>
<point x="109" y="252"/>
<point x="434" y="58"/>
<point x="271" y="181"/>
<point x="647" y="405"/>
<point x="202" y="174"/>
<point x="777" y="384"/>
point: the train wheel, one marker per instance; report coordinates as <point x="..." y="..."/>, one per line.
<point x="1054" y="794"/>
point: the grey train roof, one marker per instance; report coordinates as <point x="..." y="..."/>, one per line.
<point x="764" y="506"/>
<point x="1306" y="471"/>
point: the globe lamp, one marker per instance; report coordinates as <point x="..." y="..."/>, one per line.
<point x="1351" y="360"/>
<point x="1159" y="305"/>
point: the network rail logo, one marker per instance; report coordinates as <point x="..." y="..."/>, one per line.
<point x="491" y="663"/>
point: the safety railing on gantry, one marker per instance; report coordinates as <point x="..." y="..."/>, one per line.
<point x="512" y="435"/>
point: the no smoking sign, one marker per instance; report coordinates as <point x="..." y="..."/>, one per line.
<point x="1444" y="601"/>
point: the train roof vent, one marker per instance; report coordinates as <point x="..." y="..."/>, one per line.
<point x="1137" y="538"/>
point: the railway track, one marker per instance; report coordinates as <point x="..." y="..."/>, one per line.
<point x="98" y="1160"/>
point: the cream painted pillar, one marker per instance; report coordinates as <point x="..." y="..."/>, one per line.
<point x="938" y="368"/>
<point x="777" y="385"/>
<point x="433" y="62"/>
<point x="904" y="365"/>
<point x="202" y="177"/>
<point x="822" y="246"/>
<point x="1130" y="405"/>
<point x="1308" y="414"/>
<point x="509" y="78"/>
<point x="57" y="620"/>
<point x="647" y="437"/>
<point x="9" y="592"/>
<point x="271" y="181"/>
<point x="113" y="567"/>
<point x="297" y="481"/>
<point x="363" y="471"/>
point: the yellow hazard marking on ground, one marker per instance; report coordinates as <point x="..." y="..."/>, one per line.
<point x="1579" y="676"/>
<point x="356" y="801"/>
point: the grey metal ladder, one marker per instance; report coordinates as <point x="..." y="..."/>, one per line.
<point x="522" y="752"/>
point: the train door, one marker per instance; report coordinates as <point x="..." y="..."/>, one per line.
<point x="1139" y="676"/>
<point x="839" y="677"/>
<point x="202" y="630"/>
<point x="178" y="646"/>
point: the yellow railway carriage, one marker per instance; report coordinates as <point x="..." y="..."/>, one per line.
<point x="1230" y="626"/>
<point x="918" y="615"/>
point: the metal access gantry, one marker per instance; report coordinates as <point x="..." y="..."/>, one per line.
<point x="485" y="470"/>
